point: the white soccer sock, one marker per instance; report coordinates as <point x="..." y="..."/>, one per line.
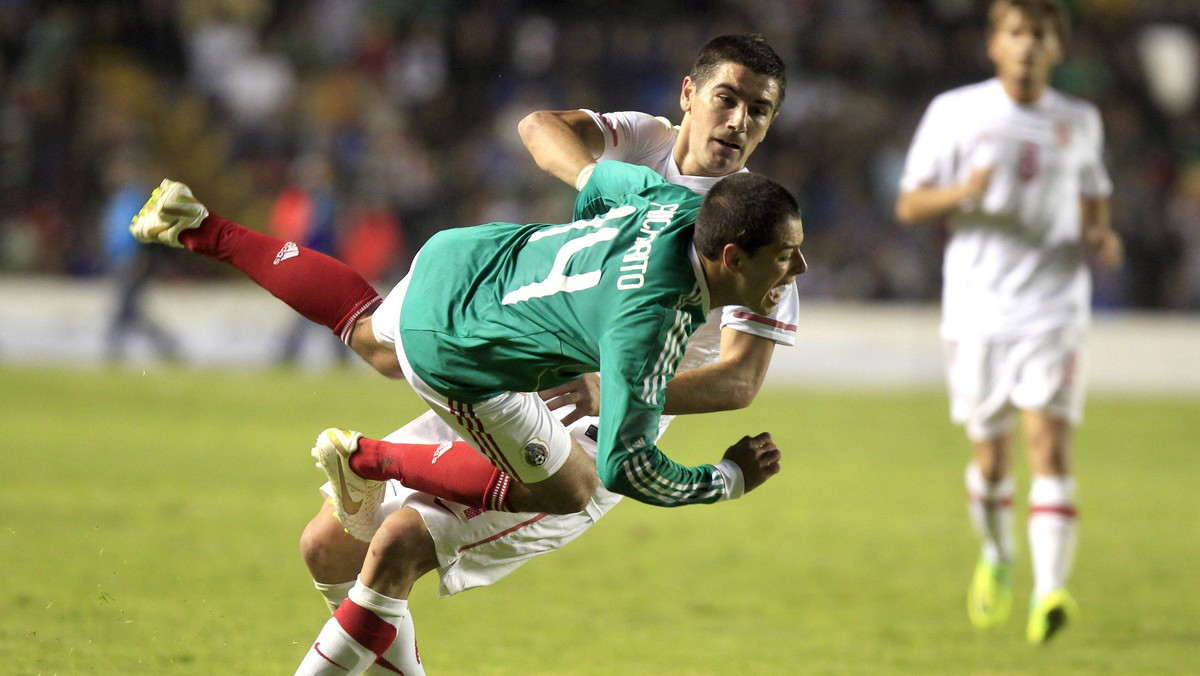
<point x="402" y="654"/>
<point x="334" y="593"/>
<point x="362" y="629"/>
<point x="335" y="653"/>
<point x="1052" y="531"/>
<point x="990" y="507"/>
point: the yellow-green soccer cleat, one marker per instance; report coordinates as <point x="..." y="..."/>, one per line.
<point x="1049" y="614"/>
<point x="170" y="210"/>
<point x="356" y="500"/>
<point x="989" y="600"/>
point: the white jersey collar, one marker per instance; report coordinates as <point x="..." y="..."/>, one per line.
<point x="700" y="278"/>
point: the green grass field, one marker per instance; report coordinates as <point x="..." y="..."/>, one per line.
<point x="149" y="525"/>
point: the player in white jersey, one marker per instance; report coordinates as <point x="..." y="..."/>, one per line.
<point x="1016" y="169"/>
<point x="729" y="101"/>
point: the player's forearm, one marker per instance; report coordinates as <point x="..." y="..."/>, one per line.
<point x="1098" y="235"/>
<point x="555" y="145"/>
<point x="649" y="476"/>
<point x="721" y="386"/>
<point x="930" y="204"/>
<point x="1095" y="217"/>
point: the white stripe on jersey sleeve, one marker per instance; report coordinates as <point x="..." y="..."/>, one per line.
<point x="668" y="358"/>
<point x="642" y="475"/>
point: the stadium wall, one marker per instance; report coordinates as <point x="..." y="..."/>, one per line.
<point x="236" y="325"/>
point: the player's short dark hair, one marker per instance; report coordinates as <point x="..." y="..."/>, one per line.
<point x="749" y="50"/>
<point x="1038" y="10"/>
<point x="745" y="209"/>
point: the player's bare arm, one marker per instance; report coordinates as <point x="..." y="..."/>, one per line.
<point x="929" y="204"/>
<point x="381" y="357"/>
<point x="725" y="385"/>
<point x="562" y="142"/>
<point x="1098" y="235"/>
<point x="729" y="383"/>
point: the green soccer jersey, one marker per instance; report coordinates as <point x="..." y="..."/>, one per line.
<point x="519" y="308"/>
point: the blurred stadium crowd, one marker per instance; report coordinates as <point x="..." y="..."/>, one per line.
<point x="363" y="126"/>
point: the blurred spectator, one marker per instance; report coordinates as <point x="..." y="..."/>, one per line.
<point x="306" y="212"/>
<point x="134" y="266"/>
<point x="415" y="105"/>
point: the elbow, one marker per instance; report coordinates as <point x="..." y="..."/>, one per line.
<point x="529" y="125"/>
<point x="609" y="478"/>
<point x="742" y="397"/>
<point x="904" y="212"/>
<point x="741" y="393"/>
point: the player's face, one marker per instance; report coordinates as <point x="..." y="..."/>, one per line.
<point x="1024" y="50"/>
<point x="765" y="274"/>
<point x="727" y="116"/>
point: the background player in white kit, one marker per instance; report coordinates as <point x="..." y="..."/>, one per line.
<point x="1016" y="167"/>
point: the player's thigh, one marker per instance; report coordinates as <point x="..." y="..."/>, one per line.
<point x="980" y="378"/>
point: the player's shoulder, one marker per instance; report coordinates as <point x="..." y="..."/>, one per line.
<point x="1071" y="105"/>
<point x="967" y="95"/>
<point x="636" y="118"/>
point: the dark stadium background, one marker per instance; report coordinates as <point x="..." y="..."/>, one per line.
<point x="413" y="107"/>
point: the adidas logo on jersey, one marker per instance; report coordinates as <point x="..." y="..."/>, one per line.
<point x="289" y="250"/>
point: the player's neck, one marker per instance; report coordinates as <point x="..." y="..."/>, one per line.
<point x="681" y="153"/>
<point x="716" y="278"/>
<point x="1024" y="91"/>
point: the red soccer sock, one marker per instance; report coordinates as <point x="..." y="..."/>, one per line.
<point x="371" y="631"/>
<point x="452" y="471"/>
<point x="320" y="287"/>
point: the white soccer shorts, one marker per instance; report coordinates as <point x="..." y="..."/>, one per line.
<point x="477" y="547"/>
<point x="514" y="431"/>
<point x="990" y="380"/>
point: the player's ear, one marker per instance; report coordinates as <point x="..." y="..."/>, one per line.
<point x="732" y="256"/>
<point x="686" y="94"/>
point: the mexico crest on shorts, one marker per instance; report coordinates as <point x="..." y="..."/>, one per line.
<point x="536" y="452"/>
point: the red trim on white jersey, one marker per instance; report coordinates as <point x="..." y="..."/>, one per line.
<point x="502" y="533"/>
<point x="611" y="129"/>
<point x="764" y="320"/>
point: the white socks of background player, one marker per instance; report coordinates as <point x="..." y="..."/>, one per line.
<point x="334" y="593"/>
<point x="366" y="627"/>
<point x="990" y="507"/>
<point x="1052" y="532"/>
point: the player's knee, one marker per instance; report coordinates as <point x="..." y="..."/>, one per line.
<point x="327" y="549"/>
<point x="403" y="543"/>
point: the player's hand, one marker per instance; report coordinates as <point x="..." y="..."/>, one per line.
<point x="583" y="394"/>
<point x="758" y="457"/>
<point x="1106" y="246"/>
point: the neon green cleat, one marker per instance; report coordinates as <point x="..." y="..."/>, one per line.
<point x="989" y="600"/>
<point x="170" y="210"/>
<point x="1049" y="614"/>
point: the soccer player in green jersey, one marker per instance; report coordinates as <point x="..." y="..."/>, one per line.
<point x="724" y="102"/>
<point x="491" y="314"/>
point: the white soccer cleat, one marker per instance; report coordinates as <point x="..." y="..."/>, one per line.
<point x="170" y="210"/>
<point x="355" y="499"/>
